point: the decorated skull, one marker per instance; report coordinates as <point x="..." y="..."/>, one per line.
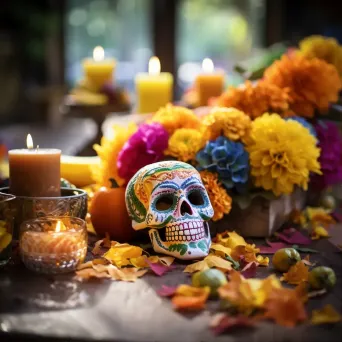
<point x="170" y="200"/>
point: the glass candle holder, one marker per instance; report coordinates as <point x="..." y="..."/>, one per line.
<point x="53" y="244"/>
<point x="6" y="228"/>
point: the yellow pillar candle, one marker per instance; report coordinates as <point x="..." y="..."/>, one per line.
<point x="154" y="89"/>
<point x="209" y="83"/>
<point x="98" y="70"/>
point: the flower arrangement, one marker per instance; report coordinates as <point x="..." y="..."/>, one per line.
<point x="258" y="137"/>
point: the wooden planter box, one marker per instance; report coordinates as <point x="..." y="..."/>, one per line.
<point x="262" y="217"/>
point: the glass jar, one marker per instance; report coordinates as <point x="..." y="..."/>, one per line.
<point x="53" y="244"/>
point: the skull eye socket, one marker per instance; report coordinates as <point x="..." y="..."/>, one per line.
<point x="164" y="202"/>
<point x="195" y="197"/>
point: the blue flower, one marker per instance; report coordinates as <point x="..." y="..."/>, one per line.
<point x="304" y="123"/>
<point x="228" y="159"/>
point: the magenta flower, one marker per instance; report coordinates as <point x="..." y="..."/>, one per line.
<point x="330" y="142"/>
<point x="144" y="147"/>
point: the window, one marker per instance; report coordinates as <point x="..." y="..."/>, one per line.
<point x="227" y="31"/>
<point x="121" y="27"/>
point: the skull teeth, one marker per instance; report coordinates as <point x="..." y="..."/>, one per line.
<point x="189" y="231"/>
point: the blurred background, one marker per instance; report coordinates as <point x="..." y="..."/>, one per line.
<point x="43" y="43"/>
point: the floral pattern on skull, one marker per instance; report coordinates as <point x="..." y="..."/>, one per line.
<point x="170" y="200"/>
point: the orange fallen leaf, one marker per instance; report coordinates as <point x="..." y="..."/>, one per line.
<point x="325" y="315"/>
<point x="283" y="306"/>
<point x="97" y="250"/>
<point x="306" y="261"/>
<point x="87" y="273"/>
<point x="248" y="252"/>
<point x="246" y="295"/>
<point x="190" y="298"/>
<point x="296" y="274"/>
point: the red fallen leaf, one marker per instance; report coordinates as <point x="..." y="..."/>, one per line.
<point x="222" y="323"/>
<point x="272" y="247"/>
<point x="167" y="291"/>
<point x="292" y="236"/>
<point x="158" y="268"/>
<point x="249" y="271"/>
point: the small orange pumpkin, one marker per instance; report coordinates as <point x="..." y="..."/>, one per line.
<point x="109" y="214"/>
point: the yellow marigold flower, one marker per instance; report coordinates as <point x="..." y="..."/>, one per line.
<point x="175" y="117"/>
<point x="184" y="143"/>
<point x="108" y="152"/>
<point x="313" y="83"/>
<point x="256" y="99"/>
<point x="282" y="154"/>
<point x="230" y="122"/>
<point x="220" y="200"/>
<point x="324" y="48"/>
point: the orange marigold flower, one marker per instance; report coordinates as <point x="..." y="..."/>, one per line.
<point x="256" y="99"/>
<point x="175" y="117"/>
<point x="313" y="83"/>
<point x="231" y="122"/>
<point x="220" y="200"/>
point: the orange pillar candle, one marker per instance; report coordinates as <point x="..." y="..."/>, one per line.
<point x="34" y="172"/>
<point x="209" y="83"/>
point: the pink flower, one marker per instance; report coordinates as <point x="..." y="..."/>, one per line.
<point x="330" y="142"/>
<point x="144" y="147"/>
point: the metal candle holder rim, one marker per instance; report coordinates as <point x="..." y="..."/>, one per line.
<point x="5" y="191"/>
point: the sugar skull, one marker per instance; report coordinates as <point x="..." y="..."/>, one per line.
<point x="170" y="200"/>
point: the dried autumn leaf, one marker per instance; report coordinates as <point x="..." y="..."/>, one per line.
<point x="221" y="323"/>
<point x="307" y="261"/>
<point x="232" y="240"/>
<point x="97" y="250"/>
<point x="249" y="271"/>
<point x="125" y="274"/>
<point x="190" y="298"/>
<point x="247" y="294"/>
<point x="272" y="247"/>
<point x="296" y="274"/>
<point x="87" y="273"/>
<point x="293" y="236"/>
<point x="284" y="307"/>
<point x="158" y="268"/>
<point x="248" y="252"/>
<point x="325" y="315"/>
<point x="209" y="261"/>
<point x="89" y="264"/>
<point x="220" y="250"/>
<point x="120" y="254"/>
<point x="319" y="232"/>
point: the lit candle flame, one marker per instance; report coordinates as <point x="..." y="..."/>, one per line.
<point x="154" y="66"/>
<point x="98" y="54"/>
<point x="29" y="141"/>
<point x="58" y="227"/>
<point x="207" y="65"/>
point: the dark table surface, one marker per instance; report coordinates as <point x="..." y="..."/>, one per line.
<point x="57" y="308"/>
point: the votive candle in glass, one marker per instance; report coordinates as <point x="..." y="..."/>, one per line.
<point x="53" y="244"/>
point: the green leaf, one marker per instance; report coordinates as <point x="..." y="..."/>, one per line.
<point x="179" y="247"/>
<point x="202" y="246"/>
<point x="304" y="249"/>
<point x="193" y="245"/>
<point x="235" y="263"/>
